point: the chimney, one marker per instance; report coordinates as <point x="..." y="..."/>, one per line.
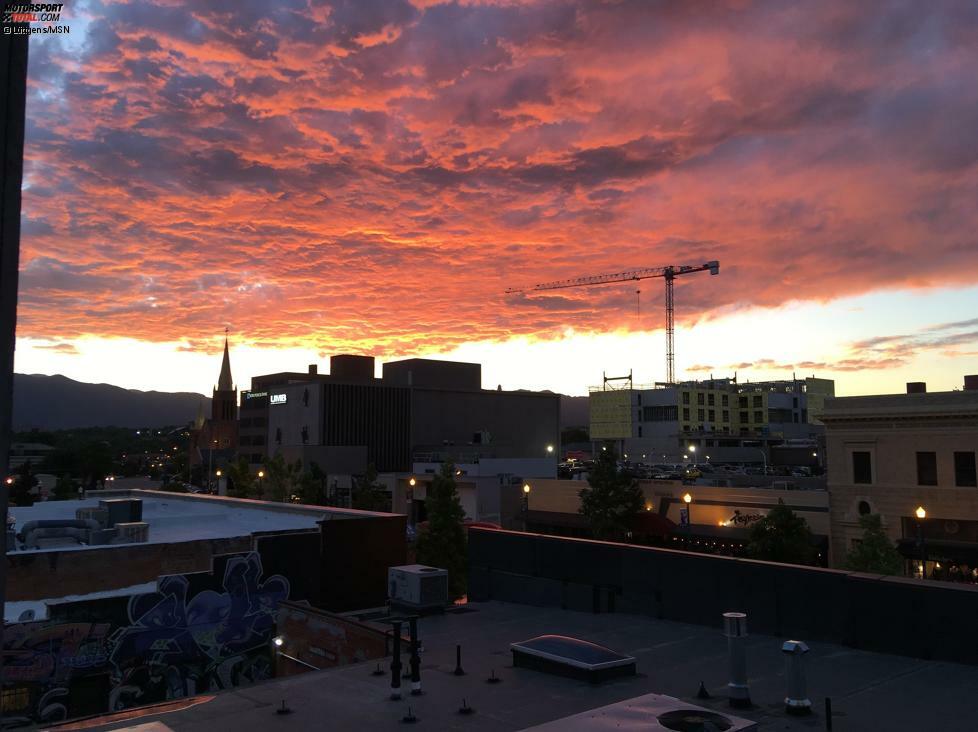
<point x="916" y="387"/>
<point x="313" y="369"/>
<point x="971" y="382"/>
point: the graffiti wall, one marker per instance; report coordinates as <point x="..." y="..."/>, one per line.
<point x="198" y="632"/>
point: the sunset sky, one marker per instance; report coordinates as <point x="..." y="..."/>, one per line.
<point x="369" y="176"/>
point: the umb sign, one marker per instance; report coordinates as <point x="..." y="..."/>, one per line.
<point x="277" y="399"/>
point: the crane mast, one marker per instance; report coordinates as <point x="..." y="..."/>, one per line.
<point x="668" y="274"/>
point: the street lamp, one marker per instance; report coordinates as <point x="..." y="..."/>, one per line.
<point x="218" y="474"/>
<point x="688" y="500"/>
<point x="550" y="449"/>
<point x="525" y="506"/>
<point x="261" y="474"/>
<point x="921" y="515"/>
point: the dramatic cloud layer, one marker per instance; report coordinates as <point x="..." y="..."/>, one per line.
<point x="373" y="174"/>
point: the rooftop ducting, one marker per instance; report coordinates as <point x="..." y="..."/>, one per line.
<point x="916" y="387"/>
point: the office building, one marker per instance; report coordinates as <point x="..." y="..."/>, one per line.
<point x="419" y="410"/>
<point x="894" y="454"/>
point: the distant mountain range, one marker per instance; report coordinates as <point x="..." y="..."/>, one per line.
<point x="57" y="403"/>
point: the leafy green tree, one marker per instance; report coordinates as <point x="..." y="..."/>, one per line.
<point x="781" y="536"/>
<point x="283" y="479"/>
<point x="612" y="500"/>
<point x="443" y="543"/>
<point x="65" y="489"/>
<point x="276" y="483"/>
<point x="368" y="495"/>
<point x="20" y="491"/>
<point x="241" y="480"/>
<point x="875" y="553"/>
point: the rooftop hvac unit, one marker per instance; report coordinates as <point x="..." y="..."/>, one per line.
<point x="417" y="587"/>
<point x="133" y="532"/>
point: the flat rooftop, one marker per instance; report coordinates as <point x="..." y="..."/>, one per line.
<point x="177" y="517"/>
<point x="869" y="691"/>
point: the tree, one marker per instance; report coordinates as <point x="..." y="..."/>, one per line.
<point x="64" y="489"/>
<point x="368" y="495"/>
<point x="781" y="536"/>
<point x="613" y="499"/>
<point x="443" y="543"/>
<point x="875" y="553"/>
<point x="241" y="480"/>
<point x="282" y="479"/>
<point x="20" y="491"/>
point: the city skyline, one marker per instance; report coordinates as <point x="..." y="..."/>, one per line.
<point x="371" y="177"/>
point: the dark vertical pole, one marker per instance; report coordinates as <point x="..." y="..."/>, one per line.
<point x="396" y="662"/>
<point x="13" y="100"/>
<point x="415" y="659"/>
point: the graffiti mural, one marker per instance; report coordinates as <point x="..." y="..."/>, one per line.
<point x="197" y="632"/>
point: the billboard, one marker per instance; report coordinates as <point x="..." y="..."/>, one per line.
<point x="611" y="415"/>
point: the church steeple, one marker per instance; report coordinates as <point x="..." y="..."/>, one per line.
<point x="224" y="382"/>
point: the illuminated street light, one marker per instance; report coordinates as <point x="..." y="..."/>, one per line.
<point x="412" y="482"/>
<point x="279" y="641"/>
<point x="550" y="448"/>
<point x="688" y="500"/>
<point x="526" y="487"/>
<point x="921" y="513"/>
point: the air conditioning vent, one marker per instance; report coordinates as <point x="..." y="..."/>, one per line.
<point x="417" y="587"/>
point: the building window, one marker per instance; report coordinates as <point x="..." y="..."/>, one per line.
<point x="862" y="467"/>
<point x="713" y="416"/>
<point x="699" y="399"/>
<point x="743" y="402"/>
<point x="759" y="416"/>
<point x="685" y="397"/>
<point x="699" y="415"/>
<point x="666" y="413"/>
<point x="744" y="417"/>
<point x="726" y="416"/>
<point x="723" y="401"/>
<point x="964" y="470"/>
<point x="711" y="399"/>
<point x="926" y="468"/>
<point x="686" y="414"/>
<point x="640" y="430"/>
<point x="758" y="400"/>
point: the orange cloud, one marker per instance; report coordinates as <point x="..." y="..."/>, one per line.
<point x="372" y="175"/>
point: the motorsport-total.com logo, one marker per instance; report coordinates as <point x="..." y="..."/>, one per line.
<point x="21" y="18"/>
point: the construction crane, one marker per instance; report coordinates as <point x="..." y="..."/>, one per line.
<point x="669" y="274"/>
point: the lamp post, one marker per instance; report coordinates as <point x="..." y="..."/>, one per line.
<point x="218" y="486"/>
<point x="409" y="499"/>
<point x="210" y="463"/>
<point x="261" y="493"/>
<point x="525" y="506"/>
<point x="921" y="515"/>
<point x="688" y="500"/>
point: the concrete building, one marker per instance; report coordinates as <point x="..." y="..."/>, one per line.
<point x="892" y="454"/>
<point x="136" y="597"/>
<point x="658" y="423"/>
<point x="28" y="452"/>
<point x="420" y="410"/>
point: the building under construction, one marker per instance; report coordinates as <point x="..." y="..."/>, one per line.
<point x="658" y="423"/>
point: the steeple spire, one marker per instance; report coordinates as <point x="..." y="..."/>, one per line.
<point x="224" y="382"/>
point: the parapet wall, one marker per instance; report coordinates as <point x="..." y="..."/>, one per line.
<point x="885" y="614"/>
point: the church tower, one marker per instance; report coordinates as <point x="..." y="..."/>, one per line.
<point x="224" y="401"/>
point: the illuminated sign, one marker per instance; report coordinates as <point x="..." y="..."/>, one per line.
<point x="256" y="394"/>
<point x="277" y="399"/>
